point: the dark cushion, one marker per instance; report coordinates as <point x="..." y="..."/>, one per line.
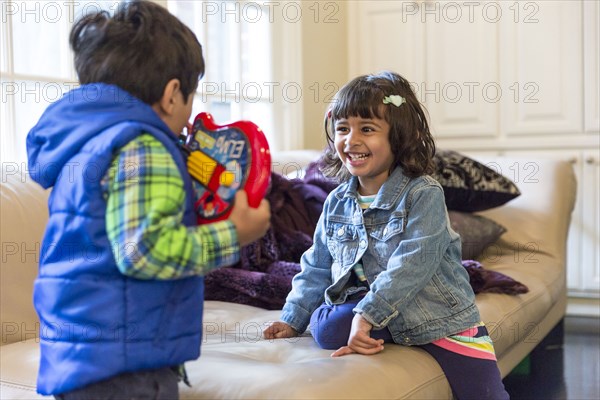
<point x="469" y="185"/>
<point x="476" y="232"/>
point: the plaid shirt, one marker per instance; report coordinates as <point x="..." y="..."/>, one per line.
<point x="145" y="205"/>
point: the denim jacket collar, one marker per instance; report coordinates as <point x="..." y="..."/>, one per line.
<point x="388" y="193"/>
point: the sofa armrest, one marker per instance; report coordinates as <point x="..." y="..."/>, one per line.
<point x="24" y="213"/>
<point x="538" y="220"/>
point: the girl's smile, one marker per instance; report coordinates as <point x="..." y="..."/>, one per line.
<point x="357" y="158"/>
<point x="362" y="144"/>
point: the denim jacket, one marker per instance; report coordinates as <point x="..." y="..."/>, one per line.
<point x="412" y="259"/>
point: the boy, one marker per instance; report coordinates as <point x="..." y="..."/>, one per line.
<point x="119" y="291"/>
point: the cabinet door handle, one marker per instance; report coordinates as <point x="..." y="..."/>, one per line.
<point x="573" y="160"/>
<point x="590" y="160"/>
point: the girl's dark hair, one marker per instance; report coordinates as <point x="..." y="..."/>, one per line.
<point x="140" y="49"/>
<point x="410" y="139"/>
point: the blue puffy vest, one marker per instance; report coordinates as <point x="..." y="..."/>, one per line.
<point x="96" y="322"/>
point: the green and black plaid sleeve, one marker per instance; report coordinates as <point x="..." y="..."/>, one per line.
<point x="145" y="204"/>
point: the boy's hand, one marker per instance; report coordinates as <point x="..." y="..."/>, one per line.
<point x="360" y="340"/>
<point x="279" y="330"/>
<point x="251" y="223"/>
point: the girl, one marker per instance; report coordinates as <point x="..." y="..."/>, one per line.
<point x="384" y="258"/>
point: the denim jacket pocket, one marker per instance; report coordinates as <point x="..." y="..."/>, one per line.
<point x="387" y="238"/>
<point x="443" y="291"/>
<point x="341" y="242"/>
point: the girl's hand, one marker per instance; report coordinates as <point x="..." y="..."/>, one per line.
<point x="360" y="340"/>
<point x="279" y="330"/>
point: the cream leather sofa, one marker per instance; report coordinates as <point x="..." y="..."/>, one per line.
<point x="237" y="363"/>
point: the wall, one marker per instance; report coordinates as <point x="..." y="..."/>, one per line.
<point x="324" y="63"/>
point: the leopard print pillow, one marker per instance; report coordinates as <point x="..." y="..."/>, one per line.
<point x="469" y="185"/>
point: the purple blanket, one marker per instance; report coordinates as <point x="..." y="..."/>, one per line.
<point x="263" y="277"/>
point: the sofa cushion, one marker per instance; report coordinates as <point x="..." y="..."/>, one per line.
<point x="296" y="368"/>
<point x="476" y="232"/>
<point x="470" y="185"/>
<point x="512" y="319"/>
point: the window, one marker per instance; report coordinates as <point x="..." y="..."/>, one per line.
<point x="35" y="67"/>
<point x="243" y="43"/>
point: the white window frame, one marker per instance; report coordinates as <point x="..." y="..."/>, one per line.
<point x="286" y="66"/>
<point x="46" y="87"/>
<point x="285" y="63"/>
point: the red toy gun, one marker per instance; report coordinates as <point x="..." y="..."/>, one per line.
<point x="223" y="159"/>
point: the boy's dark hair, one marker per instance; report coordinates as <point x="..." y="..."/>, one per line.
<point x="140" y="49"/>
<point x="410" y="139"/>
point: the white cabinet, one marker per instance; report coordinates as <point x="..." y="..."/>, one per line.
<point x="589" y="272"/>
<point x="591" y="50"/>
<point x="452" y="64"/>
<point x="541" y="62"/>
<point x="501" y="77"/>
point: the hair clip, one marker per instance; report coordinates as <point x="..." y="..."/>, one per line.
<point x="394" y="99"/>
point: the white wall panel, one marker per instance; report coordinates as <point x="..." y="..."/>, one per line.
<point x="541" y="63"/>
<point x="384" y="36"/>
<point x="462" y="77"/>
